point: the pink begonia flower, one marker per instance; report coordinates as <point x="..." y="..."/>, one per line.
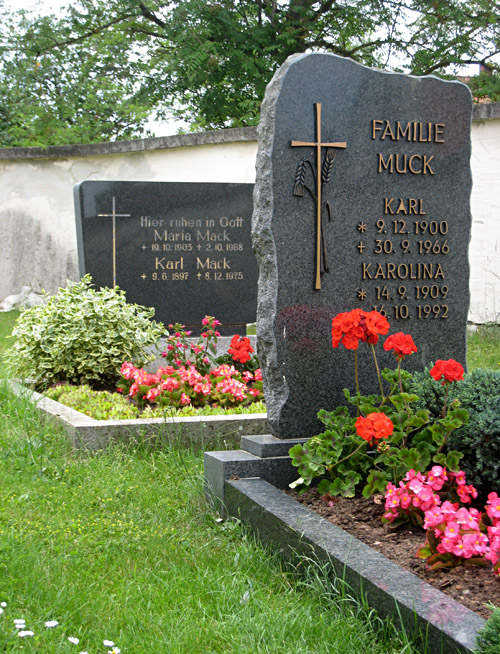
<point x="202" y="387"/>
<point x="254" y="392"/>
<point x="416" y="502"/>
<point x="476" y="543"/>
<point x="170" y="384"/>
<point x="446" y="545"/>
<point x="152" y="394"/>
<point x="390" y="515"/>
<point x="391" y="489"/>
<point x="493" y="506"/>
<point x="405" y="500"/>
<point x="415" y="485"/>
<point x="462" y="516"/>
<point x="438" y="471"/>
<point x="394" y="501"/>
<point x="494" y="532"/>
<point x="128" y="370"/>
<point x="411" y="474"/>
<point x="433" y="518"/>
<point x="134" y="389"/>
<point x="206" y="360"/>
<point x="452" y="530"/>
<point x="459" y="477"/>
<point x="247" y="376"/>
<point x="448" y="507"/>
<point x="185" y="399"/>
<point x="460" y="550"/>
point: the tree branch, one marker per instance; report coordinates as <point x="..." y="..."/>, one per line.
<point x="147" y="13"/>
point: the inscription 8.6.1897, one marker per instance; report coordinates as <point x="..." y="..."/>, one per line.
<point x="182" y="248"/>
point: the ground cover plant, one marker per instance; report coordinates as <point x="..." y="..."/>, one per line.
<point x="119" y="547"/>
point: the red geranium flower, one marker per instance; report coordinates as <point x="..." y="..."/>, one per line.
<point x="240" y="348"/>
<point x="375" y="426"/>
<point x="448" y="371"/>
<point x="358" y="325"/>
<point x="401" y="344"/>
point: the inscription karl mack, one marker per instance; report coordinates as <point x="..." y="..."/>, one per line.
<point x="182" y="248"/>
<point x="398" y="204"/>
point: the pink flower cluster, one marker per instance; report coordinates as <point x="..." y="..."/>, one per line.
<point x="418" y="493"/>
<point x="454" y="533"/>
<point x="185" y="385"/>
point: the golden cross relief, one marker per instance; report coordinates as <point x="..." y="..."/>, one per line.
<point x="321" y="176"/>
<point x="114" y="215"/>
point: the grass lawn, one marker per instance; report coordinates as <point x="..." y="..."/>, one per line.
<point x="120" y="546"/>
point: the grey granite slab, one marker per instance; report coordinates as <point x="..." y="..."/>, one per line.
<point x="392" y="231"/>
<point x="183" y="248"/>
<point x="440" y="624"/>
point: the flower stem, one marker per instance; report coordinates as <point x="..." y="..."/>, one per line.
<point x="400" y="361"/>
<point x="349" y="455"/>
<point x="378" y="373"/>
<point x="356" y="377"/>
<point x="446" y="398"/>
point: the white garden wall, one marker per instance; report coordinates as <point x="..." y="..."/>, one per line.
<point x="37" y="224"/>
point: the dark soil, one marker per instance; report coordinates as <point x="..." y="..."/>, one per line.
<point x="470" y="585"/>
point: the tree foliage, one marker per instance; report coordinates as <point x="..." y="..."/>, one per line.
<point x="98" y="71"/>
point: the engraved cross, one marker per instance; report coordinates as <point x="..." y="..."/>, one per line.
<point x="318" y="145"/>
<point x="114" y="215"/>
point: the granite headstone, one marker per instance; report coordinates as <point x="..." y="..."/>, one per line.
<point x="362" y="200"/>
<point x="183" y="248"/>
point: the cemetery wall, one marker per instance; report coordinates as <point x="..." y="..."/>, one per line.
<point x="37" y="222"/>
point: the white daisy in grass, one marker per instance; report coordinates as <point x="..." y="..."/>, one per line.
<point x="51" y="623"/>
<point x="23" y="634"/>
<point x="115" y="650"/>
<point x="19" y="623"/>
<point x="73" y="640"/>
<point x="108" y="643"/>
<point x="3" y="604"/>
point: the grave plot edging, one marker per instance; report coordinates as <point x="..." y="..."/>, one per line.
<point x="89" y="434"/>
<point x="442" y="625"/>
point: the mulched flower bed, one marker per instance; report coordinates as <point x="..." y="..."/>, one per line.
<point x="470" y="585"/>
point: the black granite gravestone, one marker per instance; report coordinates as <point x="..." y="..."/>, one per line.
<point x="183" y="248"/>
<point x="362" y="200"/>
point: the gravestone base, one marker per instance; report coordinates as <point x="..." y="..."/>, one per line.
<point x="247" y="484"/>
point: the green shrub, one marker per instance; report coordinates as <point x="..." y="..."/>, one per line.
<point x="488" y="639"/>
<point x="81" y="335"/>
<point x="479" y="440"/>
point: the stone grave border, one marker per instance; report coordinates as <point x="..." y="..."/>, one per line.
<point x="90" y="434"/>
<point x="247" y="484"/>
